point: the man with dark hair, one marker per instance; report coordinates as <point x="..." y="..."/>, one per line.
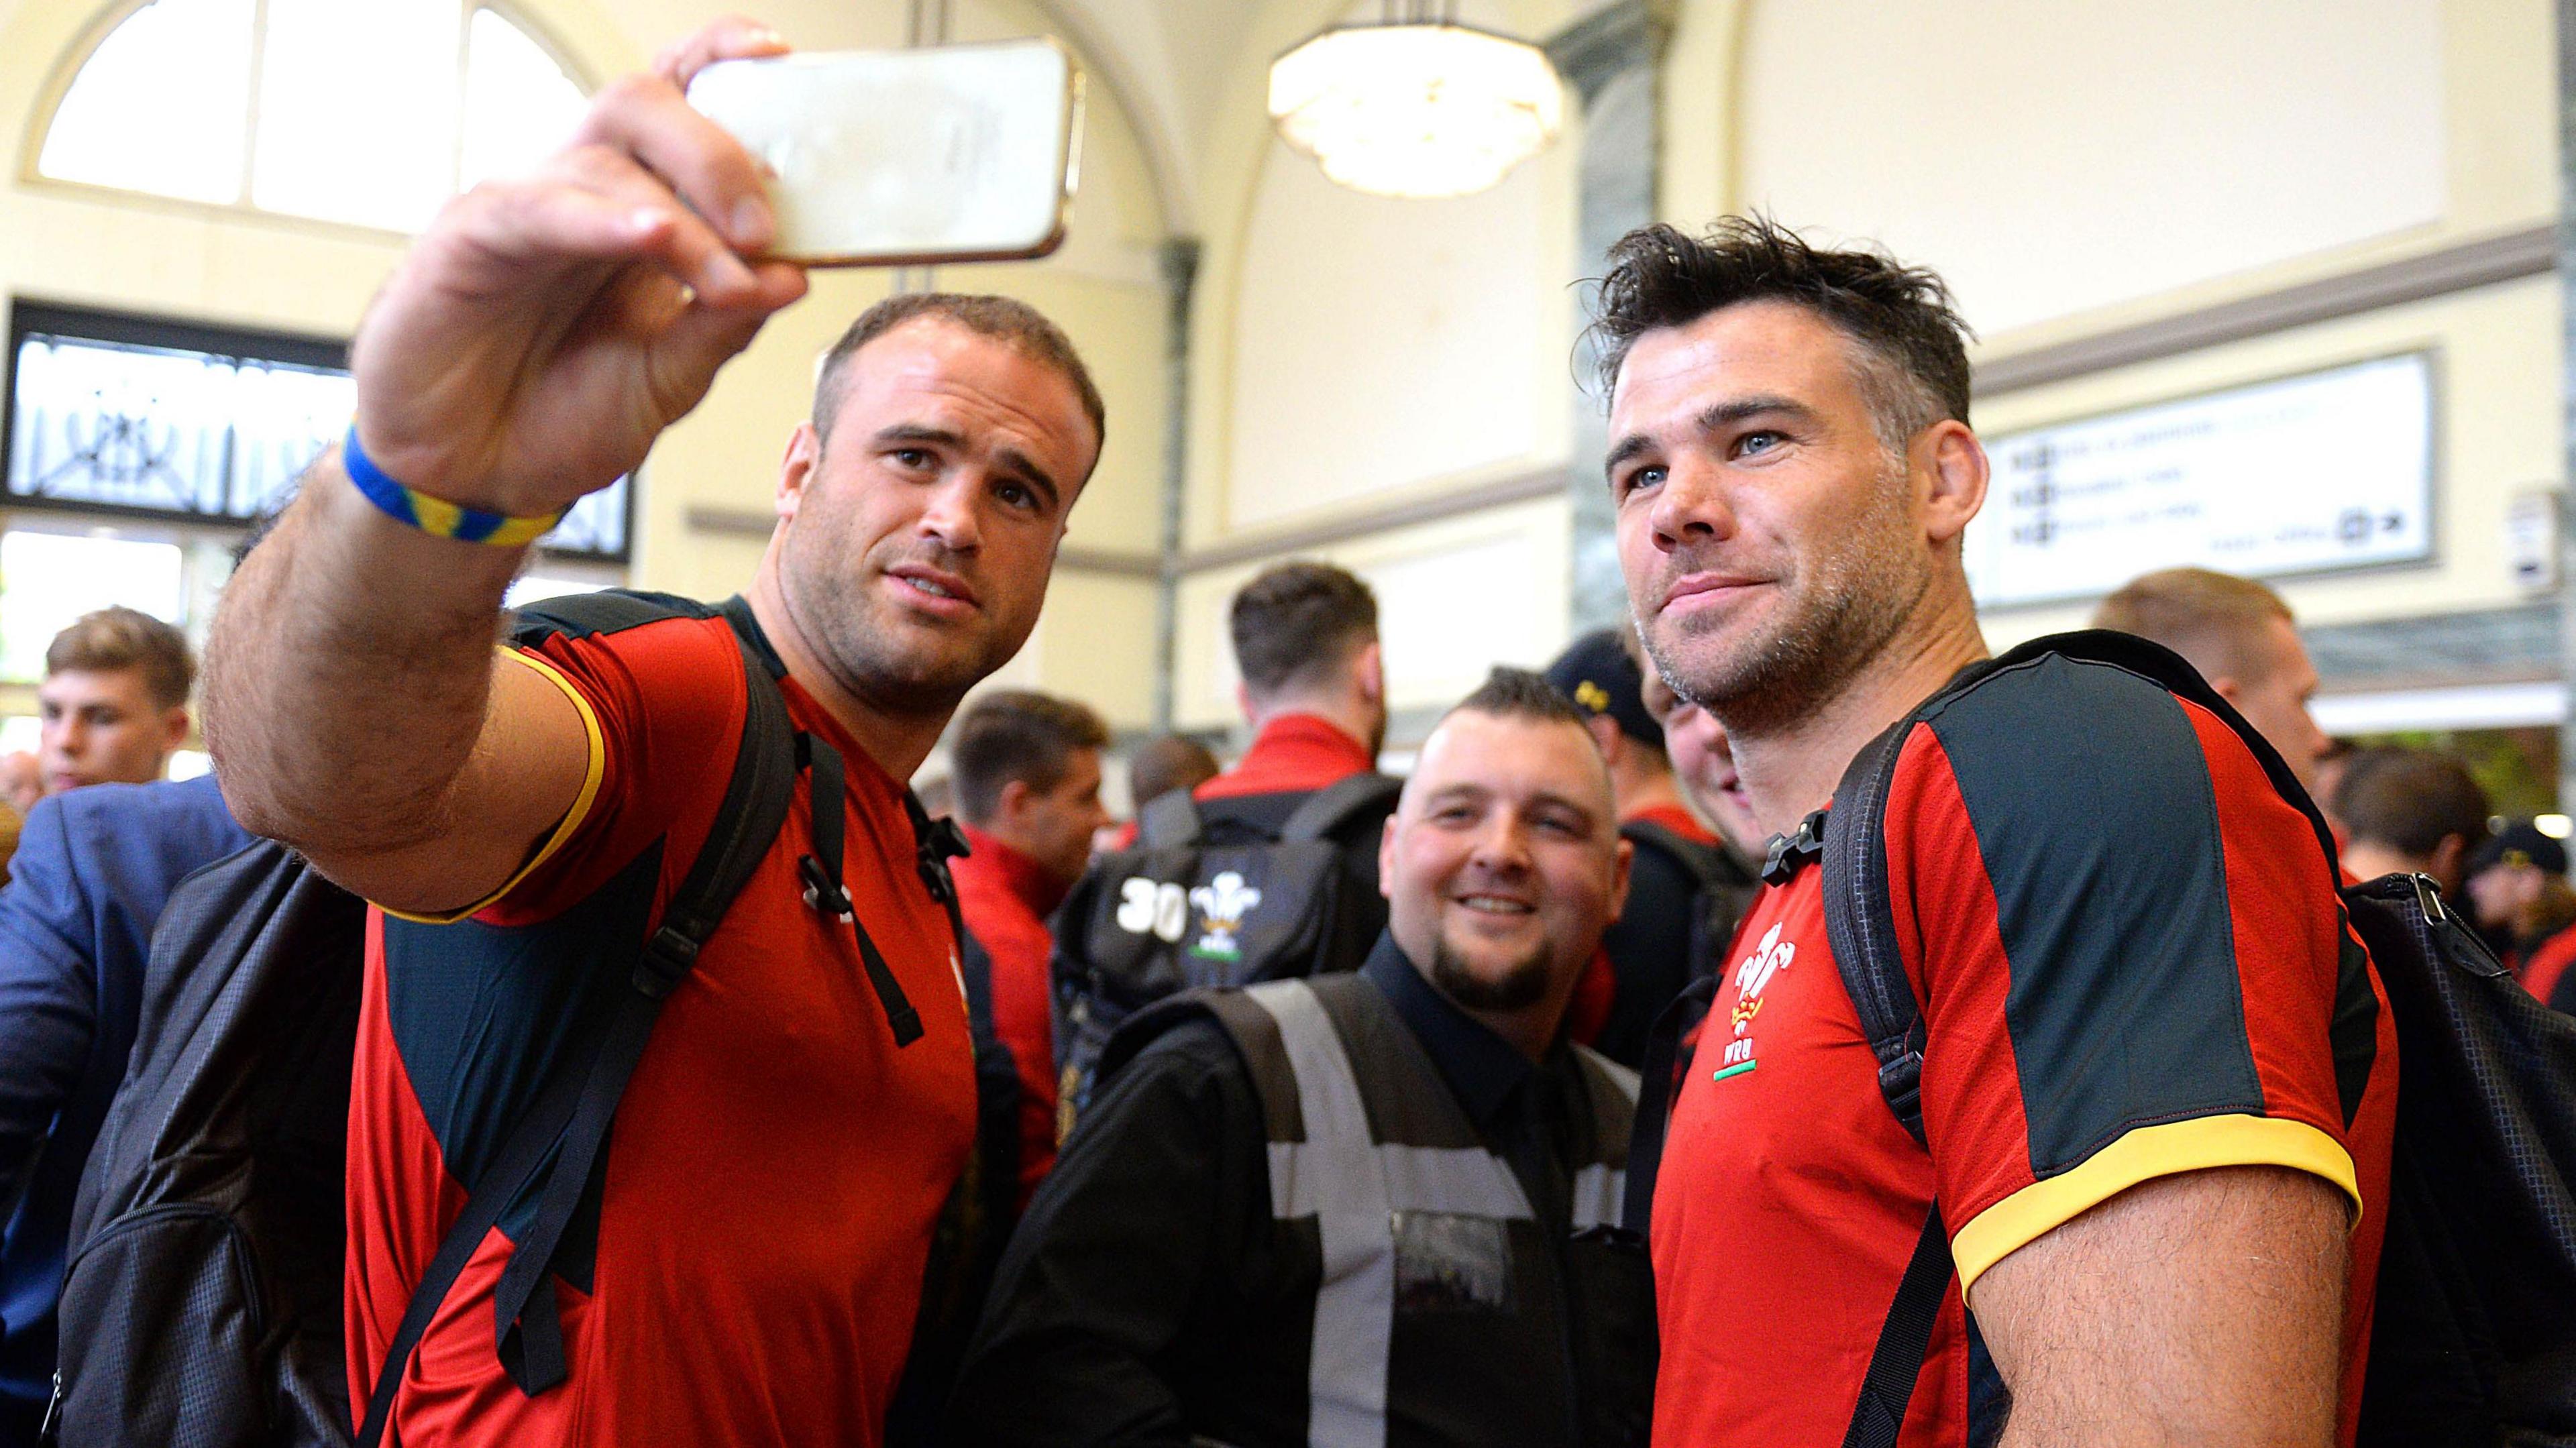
<point x="1161" y="765"/>
<point x="1651" y="949"/>
<point x="1027" y="770"/>
<point x="1313" y="685"/>
<point x="2242" y="638"/>
<point x="2146" y="1132"/>
<point x="1357" y="1208"/>
<point x="114" y="701"/>
<point x="749" y="1265"/>
<point x="2409" y="811"/>
<point x="1313" y="688"/>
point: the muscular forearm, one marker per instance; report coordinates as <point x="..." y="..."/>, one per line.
<point x="349" y="672"/>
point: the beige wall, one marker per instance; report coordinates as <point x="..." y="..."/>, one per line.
<point x="2194" y="145"/>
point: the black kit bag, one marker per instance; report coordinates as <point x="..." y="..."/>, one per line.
<point x="1206" y="898"/>
<point x="2474" y="1338"/>
<point x="202" y="1306"/>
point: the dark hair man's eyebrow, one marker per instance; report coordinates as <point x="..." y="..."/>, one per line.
<point x="1014" y="462"/>
<point x="1715" y="418"/>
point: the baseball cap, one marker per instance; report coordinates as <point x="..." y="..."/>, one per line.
<point x="2520" y="842"/>
<point x="1597" y="674"/>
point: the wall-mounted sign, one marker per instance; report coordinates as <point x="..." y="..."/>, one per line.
<point x="2531" y="539"/>
<point x="2323" y="471"/>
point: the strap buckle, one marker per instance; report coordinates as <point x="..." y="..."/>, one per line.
<point x="1791" y="851"/>
<point x="822" y="892"/>
<point x="666" y="959"/>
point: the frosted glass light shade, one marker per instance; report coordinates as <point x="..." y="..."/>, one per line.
<point x="1416" y="110"/>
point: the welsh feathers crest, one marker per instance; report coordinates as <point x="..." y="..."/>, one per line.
<point x="1222" y="904"/>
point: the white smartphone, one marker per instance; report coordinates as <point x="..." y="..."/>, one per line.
<point x="906" y="157"/>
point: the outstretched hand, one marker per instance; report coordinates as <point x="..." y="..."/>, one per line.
<point x="544" y="331"/>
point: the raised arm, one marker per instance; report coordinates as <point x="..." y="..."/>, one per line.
<point x="526" y="352"/>
<point x="2204" y="1308"/>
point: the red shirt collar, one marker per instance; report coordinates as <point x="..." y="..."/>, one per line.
<point x="1292" y="752"/>
<point x="1025" y="879"/>
<point x="1680" y="821"/>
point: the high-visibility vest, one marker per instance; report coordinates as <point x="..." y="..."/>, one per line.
<point x="1443" y="1313"/>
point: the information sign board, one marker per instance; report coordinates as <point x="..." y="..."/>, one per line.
<point x="2324" y="471"/>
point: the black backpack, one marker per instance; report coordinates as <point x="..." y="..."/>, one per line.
<point x="202" y="1304"/>
<point x="2474" y="1340"/>
<point x="1210" y="896"/>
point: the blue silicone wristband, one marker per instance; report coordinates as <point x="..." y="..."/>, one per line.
<point x="436" y="516"/>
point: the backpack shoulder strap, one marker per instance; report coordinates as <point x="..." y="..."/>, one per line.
<point x="570" y="1118"/>
<point x="1168" y="821"/>
<point x="1328" y="809"/>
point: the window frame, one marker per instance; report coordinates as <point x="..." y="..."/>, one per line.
<point x="75" y="57"/>
<point x="30" y="316"/>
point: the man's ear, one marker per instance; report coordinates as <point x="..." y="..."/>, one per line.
<point x="1605" y="735"/>
<point x="1368" y="672"/>
<point x="174" y="726"/>
<point x="1386" y="856"/>
<point x="1012" y="801"/>
<point x="1954" y="469"/>
<point x="796" y="468"/>
<point x="2447" y="857"/>
<point x="1619" y="880"/>
<point x="1243" y="703"/>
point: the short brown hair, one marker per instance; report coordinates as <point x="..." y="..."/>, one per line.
<point x="2410" y="800"/>
<point x="1913" y="345"/>
<point x="125" y="638"/>
<point x="1007" y="320"/>
<point x="2206" y="616"/>
<point x="1175" y="761"/>
<point x="1022" y="735"/>
<point x="1295" y="623"/>
<point x="1510" y="693"/>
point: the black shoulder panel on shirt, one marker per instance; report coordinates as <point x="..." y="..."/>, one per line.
<point x="2098" y="822"/>
<point x="614" y="610"/>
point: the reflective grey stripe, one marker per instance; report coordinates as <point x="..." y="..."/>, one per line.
<point x="1599" y="1193"/>
<point x="1352" y="1186"/>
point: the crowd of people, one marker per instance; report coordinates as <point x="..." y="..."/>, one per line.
<point x="1355" y="1151"/>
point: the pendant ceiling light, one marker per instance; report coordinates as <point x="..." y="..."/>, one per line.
<point x="1417" y="104"/>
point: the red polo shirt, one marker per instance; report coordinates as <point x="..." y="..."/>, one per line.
<point x="1677" y="819"/>
<point x="2130" y="962"/>
<point x="749" y="1264"/>
<point x="1006" y="898"/>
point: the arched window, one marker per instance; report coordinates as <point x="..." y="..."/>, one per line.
<point x="370" y="112"/>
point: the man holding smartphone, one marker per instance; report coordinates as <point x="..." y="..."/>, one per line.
<point x="747" y="1264"/>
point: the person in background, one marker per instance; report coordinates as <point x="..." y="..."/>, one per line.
<point x="2157" y="1112"/>
<point x="1161" y="765"/>
<point x="2408" y="811"/>
<point x="2242" y="638"/>
<point x="93" y="869"/>
<point x="2327" y="781"/>
<point x="1654" y="945"/>
<point x="1313" y="684"/>
<point x="113" y="706"/>
<point x="1355" y="1208"/>
<point x="2521" y="901"/>
<point x="1704" y="766"/>
<point x="1026" y="768"/>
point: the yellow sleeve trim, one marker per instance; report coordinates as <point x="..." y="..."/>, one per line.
<point x="2143" y="1155"/>
<point x="573" y="817"/>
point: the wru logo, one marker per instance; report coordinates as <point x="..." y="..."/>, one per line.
<point x="1223" y="902"/>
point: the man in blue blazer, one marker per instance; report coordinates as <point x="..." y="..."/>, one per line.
<point x="92" y="872"/>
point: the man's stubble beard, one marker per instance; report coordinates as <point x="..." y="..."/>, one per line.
<point x="1523" y="984"/>
<point x="840" y="619"/>
<point x="1862" y="593"/>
